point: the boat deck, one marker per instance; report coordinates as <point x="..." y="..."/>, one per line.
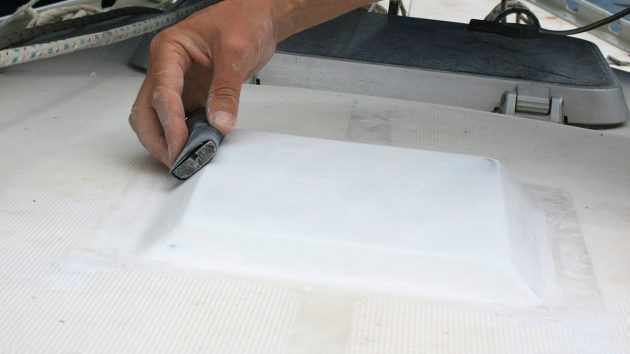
<point x="69" y="282"/>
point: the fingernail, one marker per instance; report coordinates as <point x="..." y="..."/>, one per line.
<point x="222" y="120"/>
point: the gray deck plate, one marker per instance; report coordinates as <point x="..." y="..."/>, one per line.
<point x="449" y="46"/>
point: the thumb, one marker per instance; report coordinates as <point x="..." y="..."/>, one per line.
<point x="223" y="98"/>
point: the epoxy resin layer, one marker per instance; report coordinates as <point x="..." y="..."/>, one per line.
<point x="444" y="225"/>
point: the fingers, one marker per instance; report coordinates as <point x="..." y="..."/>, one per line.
<point x="169" y="108"/>
<point x="223" y="97"/>
<point x="158" y="113"/>
<point x="213" y="51"/>
<point x="145" y="124"/>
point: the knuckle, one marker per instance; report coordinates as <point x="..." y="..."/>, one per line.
<point x="168" y="42"/>
<point x="133" y="117"/>
<point x="225" y="94"/>
<point x="131" y="122"/>
<point x="160" y="40"/>
<point x="238" y="44"/>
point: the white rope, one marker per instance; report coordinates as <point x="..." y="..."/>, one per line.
<point x="62" y="13"/>
<point x="22" y="11"/>
<point x="19" y="55"/>
<point x="40" y="17"/>
<point x="35" y="17"/>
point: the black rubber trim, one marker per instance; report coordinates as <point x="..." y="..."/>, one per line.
<point x="21" y="37"/>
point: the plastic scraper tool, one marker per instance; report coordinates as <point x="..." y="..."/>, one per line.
<point x="202" y="145"/>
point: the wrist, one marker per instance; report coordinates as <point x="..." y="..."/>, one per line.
<point x="285" y="17"/>
<point x="292" y="16"/>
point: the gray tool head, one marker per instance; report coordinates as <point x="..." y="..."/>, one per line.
<point x="202" y="145"/>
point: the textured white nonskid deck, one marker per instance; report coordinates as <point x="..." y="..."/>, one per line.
<point x="70" y="163"/>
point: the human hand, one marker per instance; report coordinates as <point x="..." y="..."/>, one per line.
<point x="203" y="61"/>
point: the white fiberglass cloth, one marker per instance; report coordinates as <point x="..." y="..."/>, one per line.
<point x="423" y="223"/>
<point x="68" y="161"/>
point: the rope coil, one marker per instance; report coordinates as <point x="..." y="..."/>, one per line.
<point x="25" y="54"/>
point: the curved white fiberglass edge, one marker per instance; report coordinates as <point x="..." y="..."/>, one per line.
<point x="400" y="220"/>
